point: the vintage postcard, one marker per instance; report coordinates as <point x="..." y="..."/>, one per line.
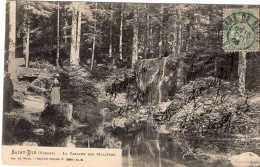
<point x="101" y="84"/>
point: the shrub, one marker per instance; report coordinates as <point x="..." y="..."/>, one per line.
<point x="211" y="105"/>
<point x="87" y="115"/>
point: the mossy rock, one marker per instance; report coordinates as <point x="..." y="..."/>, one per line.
<point x="55" y="114"/>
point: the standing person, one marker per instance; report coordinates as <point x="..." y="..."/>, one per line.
<point x="55" y="92"/>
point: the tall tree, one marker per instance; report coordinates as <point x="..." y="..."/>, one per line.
<point x="78" y="34"/>
<point x="79" y="10"/>
<point x="135" y="37"/>
<point x="180" y="78"/>
<point x="151" y="37"/>
<point x="121" y="33"/>
<point x="94" y="38"/>
<point x="73" y="59"/>
<point x="110" y="30"/>
<point x="66" y="24"/>
<point x="242" y="72"/>
<point x="12" y="40"/>
<point x="58" y="35"/>
<point x="161" y="30"/>
<point x="149" y="30"/>
<point x="179" y="32"/>
<point x="31" y="28"/>
<point x="26" y="39"/>
<point x="146" y="41"/>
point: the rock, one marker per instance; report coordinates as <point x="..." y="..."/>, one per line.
<point x="163" y="106"/>
<point x="120" y="122"/>
<point x="38" y="131"/>
<point x="21" y="124"/>
<point x="34" y="103"/>
<point x="156" y="78"/>
<point x="161" y="129"/>
<point x="40" y="85"/>
<point x="246" y="159"/>
<point x="104" y="112"/>
<point x="27" y="143"/>
<point x="67" y="108"/>
<point x="144" y="118"/>
<point x="142" y="111"/>
<point x="23" y="72"/>
<point x="49" y="129"/>
<point x="59" y="115"/>
<point x="19" y="61"/>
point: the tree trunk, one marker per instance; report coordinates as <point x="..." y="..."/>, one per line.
<point x="94" y="39"/>
<point x="121" y="33"/>
<point x="12" y="41"/>
<point x="73" y="60"/>
<point x="180" y="76"/>
<point x="179" y="36"/>
<point x="146" y="34"/>
<point x="26" y="38"/>
<point x="58" y="35"/>
<point x="216" y="67"/>
<point x="110" y="31"/>
<point x="147" y="43"/>
<point x="175" y="39"/>
<point x="27" y="46"/>
<point x="161" y="32"/>
<point x="189" y="38"/>
<point x="242" y="72"/>
<point x="135" y="39"/>
<point x="151" y="38"/>
<point x="78" y="37"/>
<point x="65" y="30"/>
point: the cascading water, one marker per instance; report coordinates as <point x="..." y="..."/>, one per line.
<point x="161" y="81"/>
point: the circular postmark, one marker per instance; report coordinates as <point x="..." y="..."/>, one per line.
<point x="241" y="32"/>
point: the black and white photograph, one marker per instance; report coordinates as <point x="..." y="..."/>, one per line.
<point x="171" y="85"/>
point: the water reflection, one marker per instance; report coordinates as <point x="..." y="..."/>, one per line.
<point x="144" y="147"/>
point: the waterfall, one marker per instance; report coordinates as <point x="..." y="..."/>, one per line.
<point x="150" y="82"/>
<point x="141" y="78"/>
<point x="161" y="80"/>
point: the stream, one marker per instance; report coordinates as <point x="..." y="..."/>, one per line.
<point x="143" y="147"/>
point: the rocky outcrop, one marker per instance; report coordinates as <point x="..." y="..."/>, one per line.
<point x="156" y="79"/>
<point x="59" y="115"/>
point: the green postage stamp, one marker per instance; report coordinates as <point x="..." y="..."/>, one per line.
<point x="241" y="29"/>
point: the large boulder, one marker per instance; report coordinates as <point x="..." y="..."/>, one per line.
<point x="246" y="159"/>
<point x="59" y="115"/>
<point x="156" y="79"/>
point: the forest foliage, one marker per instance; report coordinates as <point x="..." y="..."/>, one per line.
<point x="105" y="43"/>
<point x="159" y="28"/>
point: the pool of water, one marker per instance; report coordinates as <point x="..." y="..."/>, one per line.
<point x="144" y="147"/>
